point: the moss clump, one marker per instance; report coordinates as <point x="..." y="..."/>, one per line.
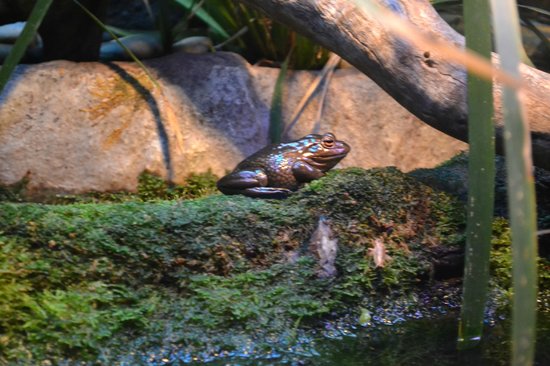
<point x="150" y="188"/>
<point x="452" y="177"/>
<point x="60" y="316"/>
<point x="501" y="258"/>
<point x="14" y="192"/>
<point x="213" y="270"/>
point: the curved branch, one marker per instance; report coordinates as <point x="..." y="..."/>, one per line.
<point x="421" y="80"/>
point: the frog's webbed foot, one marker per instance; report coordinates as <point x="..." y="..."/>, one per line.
<point x="267" y="192"/>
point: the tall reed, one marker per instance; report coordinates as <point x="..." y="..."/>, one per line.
<point x="29" y="32"/>
<point x="521" y="194"/>
<point x="276" y="121"/>
<point x="481" y="177"/>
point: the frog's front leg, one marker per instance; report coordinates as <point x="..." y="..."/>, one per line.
<point x="252" y="183"/>
<point x="304" y="172"/>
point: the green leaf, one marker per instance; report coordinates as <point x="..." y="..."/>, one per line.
<point x="535" y="9"/>
<point x="311" y="92"/>
<point x="481" y="178"/>
<point x="117" y="40"/>
<point x="205" y="17"/>
<point x="520" y="182"/>
<point x="333" y="61"/>
<point x="276" y="122"/>
<point x="27" y="35"/>
<point x="538" y="33"/>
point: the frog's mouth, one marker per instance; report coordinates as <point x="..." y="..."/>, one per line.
<point x="328" y="158"/>
<point x="326" y="162"/>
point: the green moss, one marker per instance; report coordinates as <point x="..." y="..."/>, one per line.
<point x="150" y="188"/>
<point x="501" y="258"/>
<point x="207" y="271"/>
<point x="14" y="192"/>
<point x="43" y="317"/>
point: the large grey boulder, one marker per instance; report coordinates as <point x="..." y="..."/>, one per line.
<point x="76" y="127"/>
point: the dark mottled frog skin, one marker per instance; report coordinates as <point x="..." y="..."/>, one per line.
<point x="276" y="170"/>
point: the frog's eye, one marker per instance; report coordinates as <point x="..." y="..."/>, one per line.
<point x="328" y="141"/>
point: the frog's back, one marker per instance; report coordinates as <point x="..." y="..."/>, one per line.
<point x="276" y="162"/>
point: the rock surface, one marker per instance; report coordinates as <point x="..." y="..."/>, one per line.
<point x="76" y="127"/>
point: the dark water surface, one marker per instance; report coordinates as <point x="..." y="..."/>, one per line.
<point x="413" y="342"/>
<point x="394" y="334"/>
<point x="429" y="342"/>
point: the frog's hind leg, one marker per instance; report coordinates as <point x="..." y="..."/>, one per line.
<point x="236" y="182"/>
<point x="251" y="183"/>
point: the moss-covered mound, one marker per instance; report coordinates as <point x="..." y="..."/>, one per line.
<point x="111" y="282"/>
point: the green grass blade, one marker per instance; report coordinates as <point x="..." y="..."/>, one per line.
<point x="535" y="9"/>
<point x="521" y="196"/>
<point x="205" y="17"/>
<point x="333" y="61"/>
<point x="265" y="40"/>
<point x="439" y="4"/>
<point x="130" y="53"/>
<point x="148" y="8"/>
<point x="310" y="93"/>
<point x="276" y="122"/>
<point x="123" y="32"/>
<point x="544" y="40"/>
<point x="481" y="178"/>
<point x="235" y="36"/>
<point x="27" y="35"/>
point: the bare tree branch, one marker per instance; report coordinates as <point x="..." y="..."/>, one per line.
<point x="421" y="80"/>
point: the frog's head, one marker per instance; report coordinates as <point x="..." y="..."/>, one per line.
<point x="323" y="151"/>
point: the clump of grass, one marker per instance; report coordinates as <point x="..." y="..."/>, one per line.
<point x="264" y="39"/>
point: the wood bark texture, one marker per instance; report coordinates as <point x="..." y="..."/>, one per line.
<point x="421" y="80"/>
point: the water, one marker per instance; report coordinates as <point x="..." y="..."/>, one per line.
<point x="392" y="334"/>
<point x="412" y="342"/>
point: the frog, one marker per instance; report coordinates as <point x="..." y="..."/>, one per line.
<point x="280" y="169"/>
